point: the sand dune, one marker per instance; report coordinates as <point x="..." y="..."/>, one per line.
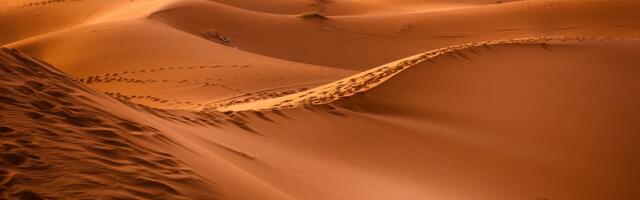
<point x="499" y="121"/>
<point x="384" y="38"/>
<point x="317" y="99"/>
<point x="57" y="144"/>
<point x="366" y="80"/>
<point x="441" y="132"/>
<point x="144" y="49"/>
<point x="379" y="38"/>
<point x="64" y="140"/>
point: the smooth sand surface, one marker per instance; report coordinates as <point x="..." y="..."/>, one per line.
<point x="320" y="99"/>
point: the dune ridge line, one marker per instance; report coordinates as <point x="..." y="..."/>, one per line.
<point x="371" y="78"/>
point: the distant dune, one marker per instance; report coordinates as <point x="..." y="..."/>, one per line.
<point x="320" y="99"/>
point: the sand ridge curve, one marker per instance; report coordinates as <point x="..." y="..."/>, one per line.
<point x="370" y="78"/>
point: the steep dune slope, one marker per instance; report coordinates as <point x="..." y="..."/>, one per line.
<point x="150" y="56"/>
<point x="340" y="41"/>
<point x="344" y="41"/>
<point x="368" y="79"/>
<point x="40" y="16"/>
<point x="243" y="99"/>
<point x="508" y="121"/>
<point x="30" y="18"/>
<point x="560" y="126"/>
<point x="57" y="144"/>
<point x="62" y="140"/>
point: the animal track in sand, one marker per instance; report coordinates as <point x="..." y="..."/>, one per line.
<point x="46" y="3"/>
<point x="121" y="77"/>
<point x="98" y="79"/>
<point x="159" y="69"/>
<point x="203" y="118"/>
<point x="250" y="97"/>
<point x="169" y="102"/>
<point x="117" y="77"/>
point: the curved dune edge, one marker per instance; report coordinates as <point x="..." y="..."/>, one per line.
<point x="366" y="80"/>
<point x="263" y="155"/>
<point x="52" y="130"/>
<point x="120" y="99"/>
<point x="60" y="139"/>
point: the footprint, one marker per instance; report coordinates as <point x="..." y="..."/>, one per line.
<point x="103" y="133"/>
<point x="36" y="85"/>
<point x="28" y="195"/>
<point x="155" y="186"/>
<point x="56" y="94"/>
<point x="13" y="158"/>
<point x="243" y="126"/>
<point x="4" y="129"/>
<point x="33" y="115"/>
<point x="24" y="90"/>
<point x="109" y="153"/>
<point x="42" y="105"/>
<point x="129" y="126"/>
<point x="8" y="100"/>
<point x="263" y="116"/>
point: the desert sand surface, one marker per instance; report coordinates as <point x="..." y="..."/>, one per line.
<point x="320" y="99"/>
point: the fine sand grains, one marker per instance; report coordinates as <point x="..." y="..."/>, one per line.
<point x="368" y="79"/>
<point x="55" y="143"/>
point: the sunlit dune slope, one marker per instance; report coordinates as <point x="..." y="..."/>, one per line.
<point x="338" y="41"/>
<point x="118" y="51"/>
<point x="320" y="99"/>
<point x="32" y="18"/>
<point x="564" y="115"/>
<point x="521" y="120"/>
<point x="363" y="81"/>
<point x="361" y="41"/>
<point x="61" y="139"/>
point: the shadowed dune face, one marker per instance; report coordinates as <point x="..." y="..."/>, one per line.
<point x="61" y="139"/>
<point x="320" y="99"/>
<point x="565" y="117"/>
<point x="57" y="141"/>
<point x="439" y="129"/>
<point x="511" y="121"/>
<point x="382" y="38"/>
<point x="339" y="42"/>
<point x="366" y="80"/>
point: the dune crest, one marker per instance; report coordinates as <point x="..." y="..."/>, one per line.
<point x="319" y="99"/>
<point x="363" y="81"/>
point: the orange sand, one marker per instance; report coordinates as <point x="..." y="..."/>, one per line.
<point x="320" y="99"/>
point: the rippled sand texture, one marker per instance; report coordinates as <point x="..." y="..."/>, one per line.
<point x="320" y="99"/>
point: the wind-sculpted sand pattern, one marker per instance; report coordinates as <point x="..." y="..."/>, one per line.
<point x="368" y="79"/>
<point x="57" y="144"/>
